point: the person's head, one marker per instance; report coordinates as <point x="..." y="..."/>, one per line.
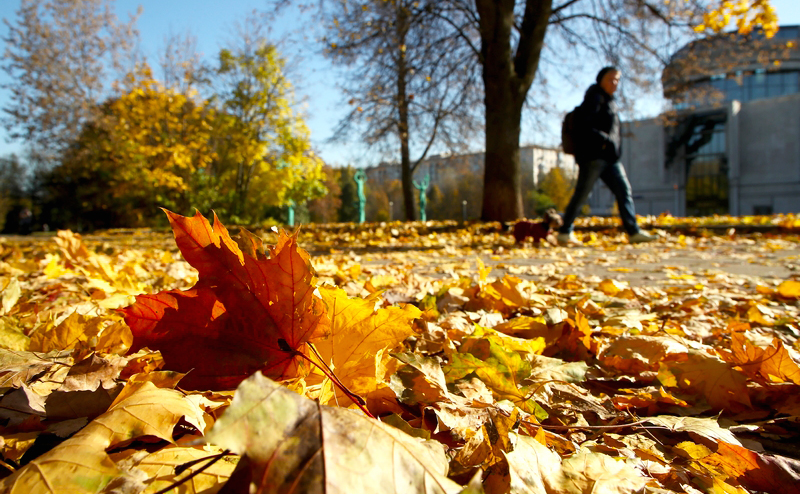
<point x="608" y="79"/>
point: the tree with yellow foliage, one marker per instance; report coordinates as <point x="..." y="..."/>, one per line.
<point x="144" y="151"/>
<point x="557" y="186"/>
<point x="747" y="14"/>
<point x="263" y="145"/>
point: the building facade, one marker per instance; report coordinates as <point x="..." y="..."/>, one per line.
<point x="732" y="145"/>
<point x="535" y="162"/>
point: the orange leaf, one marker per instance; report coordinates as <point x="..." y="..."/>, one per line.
<point x="360" y="335"/>
<point x="756" y="471"/>
<point x="717" y="381"/>
<point x="774" y="363"/>
<point x="244" y="313"/>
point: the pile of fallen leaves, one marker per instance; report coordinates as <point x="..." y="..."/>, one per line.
<point x="245" y="365"/>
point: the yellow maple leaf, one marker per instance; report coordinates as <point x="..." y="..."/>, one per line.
<point x="360" y="336"/>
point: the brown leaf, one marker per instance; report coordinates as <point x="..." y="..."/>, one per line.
<point x="304" y="447"/>
<point x="722" y="386"/>
<point x="80" y="464"/>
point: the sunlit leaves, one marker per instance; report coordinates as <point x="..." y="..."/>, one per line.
<point x="242" y="296"/>
<point x="265" y="157"/>
<point x="747" y="14"/>
<point x="523" y="380"/>
<point x="359" y="340"/>
<point x="302" y="446"/>
<point x="81" y="464"/>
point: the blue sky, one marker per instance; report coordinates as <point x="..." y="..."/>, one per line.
<point x="212" y="23"/>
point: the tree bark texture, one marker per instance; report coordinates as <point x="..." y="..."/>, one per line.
<point x="507" y="76"/>
<point x="407" y="173"/>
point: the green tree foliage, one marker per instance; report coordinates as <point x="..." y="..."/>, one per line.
<point x="263" y="146"/>
<point x="538" y="202"/>
<point x="58" y="56"/>
<point x="348" y="208"/>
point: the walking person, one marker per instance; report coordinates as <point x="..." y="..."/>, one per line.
<point x="598" y="153"/>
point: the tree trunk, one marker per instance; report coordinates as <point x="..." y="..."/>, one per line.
<point x="406" y="172"/>
<point x="407" y="179"/>
<point x="507" y="76"/>
<point x="502" y="186"/>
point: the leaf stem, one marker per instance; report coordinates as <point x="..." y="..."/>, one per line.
<point x="200" y="470"/>
<point x="359" y="401"/>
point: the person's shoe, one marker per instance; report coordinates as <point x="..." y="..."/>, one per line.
<point x="641" y="237"/>
<point x="568" y="239"/>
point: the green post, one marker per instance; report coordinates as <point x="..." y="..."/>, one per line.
<point x="290" y="219"/>
<point x="422" y="187"/>
<point x="360" y="177"/>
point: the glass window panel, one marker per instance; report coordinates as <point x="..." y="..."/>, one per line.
<point x="774" y="79"/>
<point x="719" y="142"/>
<point x="758" y="91"/>
<point x="704" y="149"/>
<point x="792" y="83"/>
<point x="747" y="86"/>
<point x="774" y="91"/>
<point x="735" y="94"/>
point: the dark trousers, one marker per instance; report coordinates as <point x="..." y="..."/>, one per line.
<point x="613" y="175"/>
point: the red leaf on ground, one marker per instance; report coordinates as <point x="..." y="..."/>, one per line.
<point x="244" y="312"/>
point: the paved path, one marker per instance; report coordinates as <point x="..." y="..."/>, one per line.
<point x="672" y="261"/>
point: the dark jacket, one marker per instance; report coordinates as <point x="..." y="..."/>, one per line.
<point x="599" y="127"/>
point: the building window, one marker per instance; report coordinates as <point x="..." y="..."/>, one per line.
<point x="762" y="210"/>
<point x="702" y="141"/>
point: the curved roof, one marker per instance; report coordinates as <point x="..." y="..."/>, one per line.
<point x="728" y="53"/>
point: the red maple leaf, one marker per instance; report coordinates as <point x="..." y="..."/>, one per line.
<point x="244" y="313"/>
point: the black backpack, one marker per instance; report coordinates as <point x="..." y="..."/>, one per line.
<point x="569" y="131"/>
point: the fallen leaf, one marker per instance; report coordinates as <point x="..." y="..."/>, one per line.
<point x="248" y="311"/>
<point x="722" y="386"/>
<point x="292" y="444"/>
<point x="81" y="465"/>
<point x="359" y="333"/>
<point x="755" y="471"/>
<point x="773" y="364"/>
